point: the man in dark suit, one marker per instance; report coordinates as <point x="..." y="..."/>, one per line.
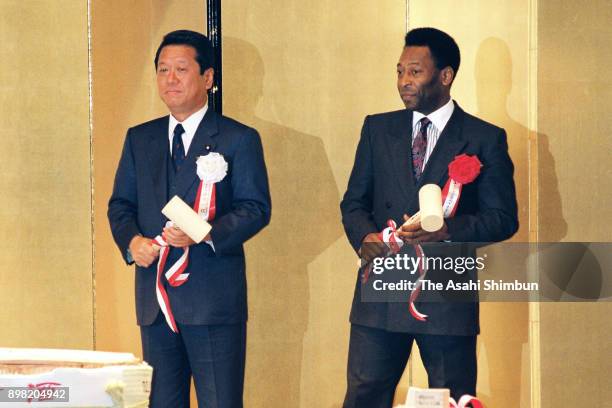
<point x="158" y="162"/>
<point x="397" y="154"/>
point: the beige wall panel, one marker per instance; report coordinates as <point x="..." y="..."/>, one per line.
<point x="575" y="90"/>
<point x="125" y="37"/>
<point x="576" y="354"/>
<point x="305" y="74"/>
<point x="122" y="76"/>
<point x="46" y="259"/>
<point x="492" y="84"/>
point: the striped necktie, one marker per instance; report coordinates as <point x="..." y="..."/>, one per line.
<point x="419" y="148"/>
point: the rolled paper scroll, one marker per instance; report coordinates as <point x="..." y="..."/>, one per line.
<point x="186" y="219"/>
<point x="416" y="218"/>
<point x="430" y="203"/>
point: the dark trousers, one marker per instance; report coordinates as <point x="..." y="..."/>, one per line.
<point x="377" y="359"/>
<point x="214" y="355"/>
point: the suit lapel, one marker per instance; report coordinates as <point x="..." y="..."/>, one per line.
<point x="449" y="144"/>
<point x="400" y="151"/>
<point x="202" y="144"/>
<point x="158" y="152"/>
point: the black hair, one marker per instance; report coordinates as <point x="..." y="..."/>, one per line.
<point x="204" y="51"/>
<point x="443" y="48"/>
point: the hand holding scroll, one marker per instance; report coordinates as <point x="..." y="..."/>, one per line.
<point x="189" y="227"/>
<point x="428" y="224"/>
<point x="413" y="233"/>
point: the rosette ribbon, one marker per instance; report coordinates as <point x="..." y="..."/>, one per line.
<point x="465" y="401"/>
<point x="211" y="169"/>
<point x="463" y="170"/>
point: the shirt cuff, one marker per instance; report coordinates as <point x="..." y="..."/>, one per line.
<point x="129" y="258"/>
<point x="209" y="242"/>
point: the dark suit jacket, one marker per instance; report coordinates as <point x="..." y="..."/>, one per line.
<point x="216" y="290"/>
<point x="382" y="187"/>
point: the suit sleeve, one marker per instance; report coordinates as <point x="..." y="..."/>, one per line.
<point x="496" y="218"/>
<point x="251" y="205"/>
<point x="122" y="206"/>
<point x="356" y="206"/>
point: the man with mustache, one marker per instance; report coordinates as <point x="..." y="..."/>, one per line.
<point x="399" y="152"/>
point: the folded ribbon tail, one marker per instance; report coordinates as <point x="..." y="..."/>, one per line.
<point x="417" y="289"/>
<point x="465" y="401"/>
<point x="160" y="291"/>
<point x="175" y="276"/>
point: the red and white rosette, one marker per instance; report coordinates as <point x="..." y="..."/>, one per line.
<point x="211" y="169"/>
<point x="465" y="402"/>
<point x="463" y="170"/>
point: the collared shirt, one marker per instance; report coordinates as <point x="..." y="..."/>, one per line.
<point x="190" y="125"/>
<point x="439" y="118"/>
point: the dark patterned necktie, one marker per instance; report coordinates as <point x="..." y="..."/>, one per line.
<point x="178" y="150"/>
<point x="419" y="147"/>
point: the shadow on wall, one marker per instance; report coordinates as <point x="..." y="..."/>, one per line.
<point x="504" y="350"/>
<point x="574" y="270"/>
<point x="305" y="222"/>
<point x="493" y="75"/>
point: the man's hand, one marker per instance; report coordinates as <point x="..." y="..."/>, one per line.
<point x="372" y="247"/>
<point x="143" y="251"/>
<point x="414" y="234"/>
<point x="177" y="238"/>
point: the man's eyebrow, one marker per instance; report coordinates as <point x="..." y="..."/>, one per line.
<point x="399" y="64"/>
<point x="174" y="59"/>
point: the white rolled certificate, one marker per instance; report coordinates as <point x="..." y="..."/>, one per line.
<point x="186" y="219"/>
<point x="430" y="203"/>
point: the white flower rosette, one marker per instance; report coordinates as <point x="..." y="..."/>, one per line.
<point x="211" y="168"/>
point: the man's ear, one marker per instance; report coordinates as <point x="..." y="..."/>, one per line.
<point x="447" y="74"/>
<point x="209" y="76"/>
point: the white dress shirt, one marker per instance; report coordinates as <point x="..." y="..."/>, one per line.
<point x="190" y="125"/>
<point x="439" y="118"/>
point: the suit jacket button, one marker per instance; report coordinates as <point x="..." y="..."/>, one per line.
<point x="388" y="205"/>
